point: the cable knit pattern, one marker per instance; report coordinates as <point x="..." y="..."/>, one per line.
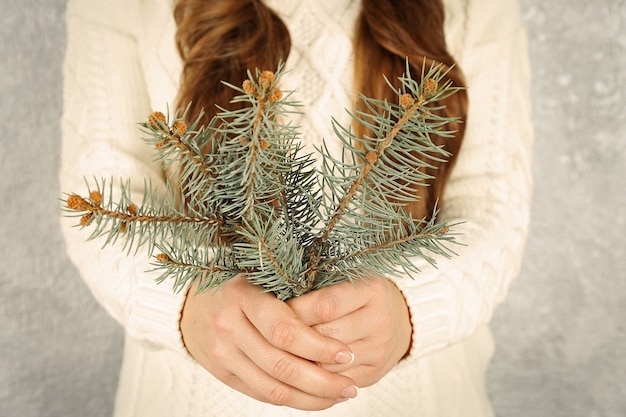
<point x="121" y="63"/>
<point x="320" y="64"/>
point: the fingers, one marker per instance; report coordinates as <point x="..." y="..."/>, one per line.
<point x="280" y="326"/>
<point x="331" y="302"/>
<point x="254" y="382"/>
<point x="351" y="327"/>
<point x="288" y="379"/>
<point x="371" y="317"/>
<point x="288" y="349"/>
<point x="253" y="342"/>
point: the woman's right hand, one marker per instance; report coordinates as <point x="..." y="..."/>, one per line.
<point x="254" y="343"/>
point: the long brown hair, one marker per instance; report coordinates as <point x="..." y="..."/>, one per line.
<point x="219" y="40"/>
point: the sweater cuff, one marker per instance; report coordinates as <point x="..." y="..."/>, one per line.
<point x="427" y="298"/>
<point x="154" y="314"/>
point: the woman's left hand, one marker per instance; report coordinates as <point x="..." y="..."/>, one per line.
<point x="369" y="316"/>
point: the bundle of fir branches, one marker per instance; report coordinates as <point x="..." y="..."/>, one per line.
<point x="244" y="198"/>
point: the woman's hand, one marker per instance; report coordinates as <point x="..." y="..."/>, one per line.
<point x="254" y="343"/>
<point x="371" y="317"/>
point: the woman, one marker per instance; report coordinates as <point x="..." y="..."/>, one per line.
<point x="412" y="347"/>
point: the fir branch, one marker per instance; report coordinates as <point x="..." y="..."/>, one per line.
<point x="78" y="203"/>
<point x="411" y="241"/>
<point x="139" y="224"/>
<point x="182" y="148"/>
<point x="243" y="199"/>
<point x="272" y="257"/>
<point x="384" y="183"/>
<point x="257" y="148"/>
<point x="191" y="266"/>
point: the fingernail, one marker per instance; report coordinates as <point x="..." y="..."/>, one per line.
<point x="344" y="358"/>
<point x="349" y="392"/>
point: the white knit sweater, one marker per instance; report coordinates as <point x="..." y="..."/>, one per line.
<point x="121" y="64"/>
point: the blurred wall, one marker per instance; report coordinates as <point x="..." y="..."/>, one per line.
<point x="561" y="334"/>
<point x="561" y="341"/>
<point x="59" y="351"/>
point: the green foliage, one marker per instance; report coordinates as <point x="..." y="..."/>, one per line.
<point x="243" y="197"/>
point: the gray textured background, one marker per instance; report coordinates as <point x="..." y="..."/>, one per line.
<point x="561" y="335"/>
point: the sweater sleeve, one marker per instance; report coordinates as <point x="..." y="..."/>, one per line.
<point x="105" y="96"/>
<point x="489" y="192"/>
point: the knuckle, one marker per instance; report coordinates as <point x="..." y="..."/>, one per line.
<point x="333" y="390"/>
<point x="220" y="352"/>
<point x="284" y="369"/>
<point x="214" y="350"/>
<point x="280" y="395"/>
<point x="326" y="308"/>
<point x="222" y="323"/>
<point x="282" y="333"/>
<point x="329" y="331"/>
